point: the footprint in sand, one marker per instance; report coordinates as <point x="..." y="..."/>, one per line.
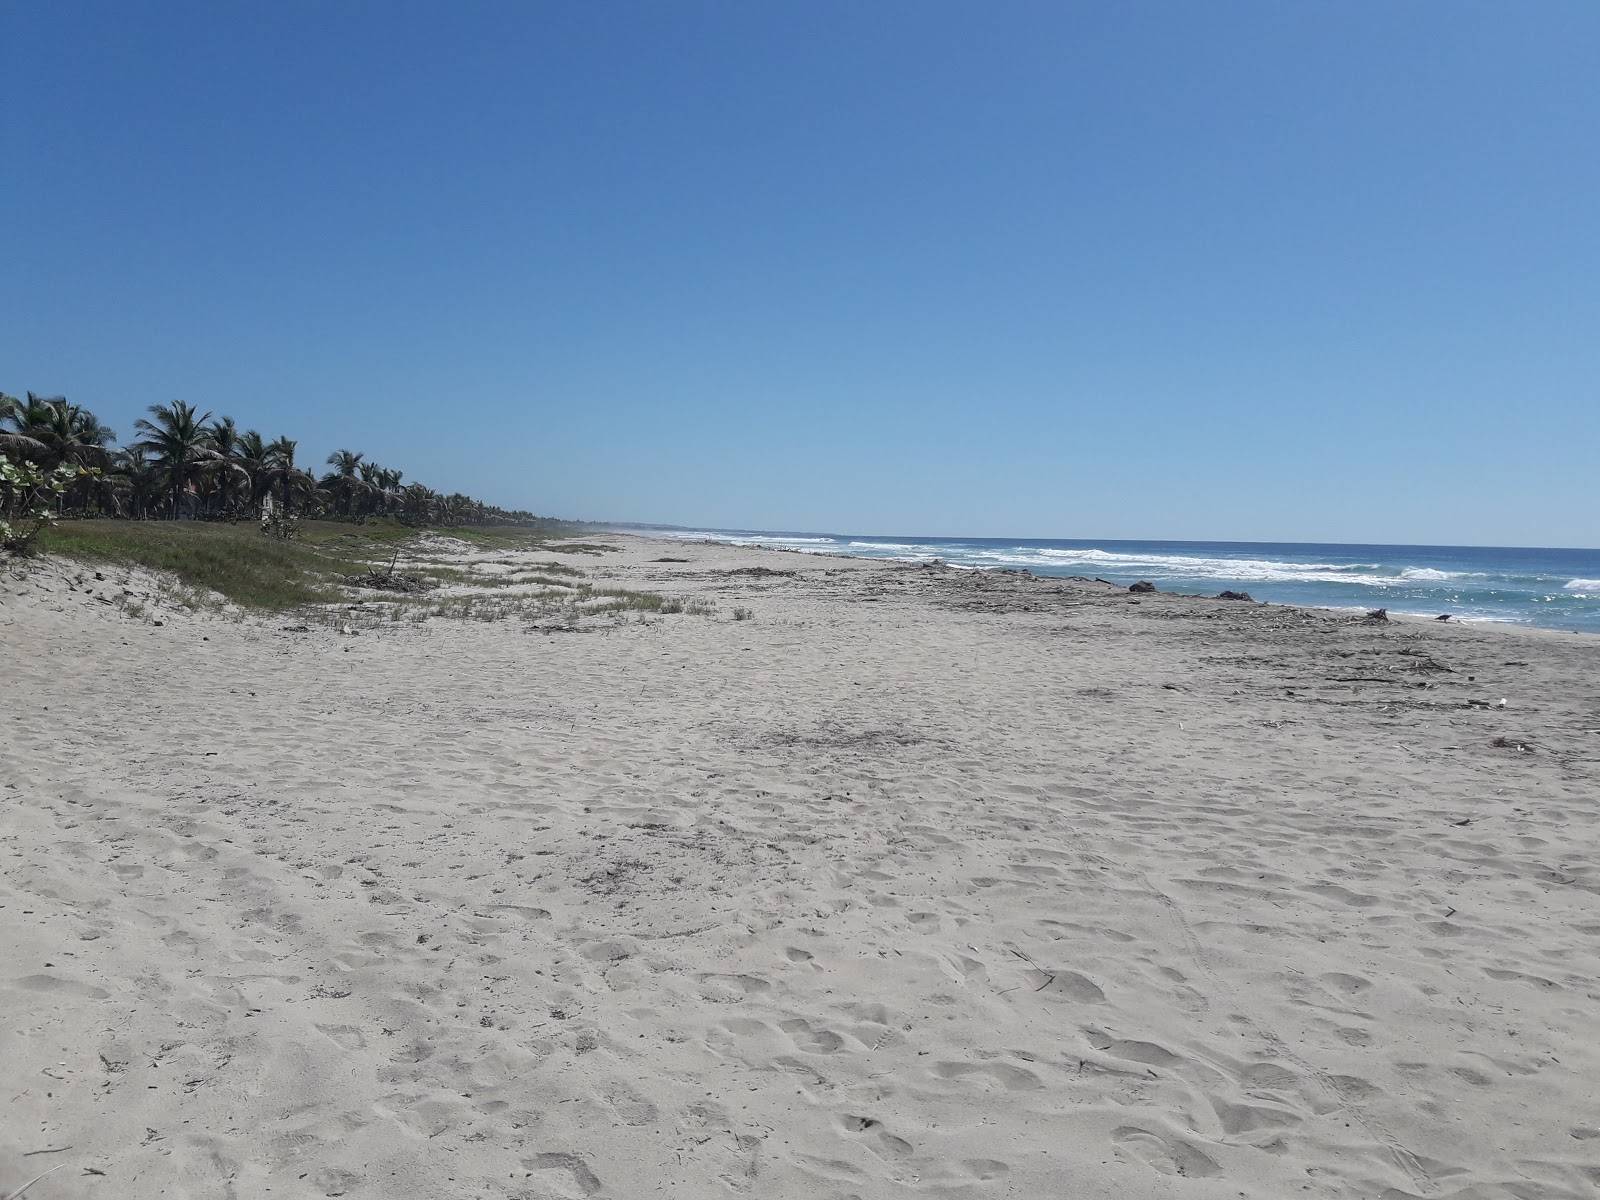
<point x="968" y="968"/>
<point x="1349" y="985"/>
<point x="608" y="950"/>
<point x="525" y="912"/>
<point x="346" y="1037"/>
<point x="567" y="1173"/>
<point x="882" y="1140"/>
<point x="727" y="988"/>
<point x="55" y="986"/>
<point x="1170" y="1156"/>
<point x="986" y="1170"/>
<point x="1506" y="976"/>
<point x="1004" y="1075"/>
<point x="631" y="1108"/>
<point x="1142" y="1052"/>
<point x="1247" y="1118"/>
<point x="1269" y="1076"/>
<point x="1352" y="1087"/>
<point x="1065" y="985"/>
<point x="331" y="1181"/>
<point x="1342" y="894"/>
<point x="815" y="1041"/>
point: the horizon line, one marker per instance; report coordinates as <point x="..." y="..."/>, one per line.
<point x="645" y="526"/>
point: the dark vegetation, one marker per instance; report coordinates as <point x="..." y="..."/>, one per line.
<point x="186" y="464"/>
<point x="193" y="495"/>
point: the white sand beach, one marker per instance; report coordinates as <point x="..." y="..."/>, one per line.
<point x="918" y="882"/>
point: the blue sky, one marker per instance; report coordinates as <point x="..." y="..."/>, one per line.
<point x="1306" y="271"/>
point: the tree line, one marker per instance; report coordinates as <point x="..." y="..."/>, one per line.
<point x="186" y="464"/>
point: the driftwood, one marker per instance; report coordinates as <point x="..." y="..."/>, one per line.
<point x="394" y="581"/>
<point x="390" y="581"/>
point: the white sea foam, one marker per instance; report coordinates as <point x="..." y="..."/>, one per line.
<point x="1469" y="616"/>
<point x="1430" y="575"/>
<point x="1157" y="566"/>
<point x="1168" y="567"/>
<point x="1503" y="593"/>
<point x="745" y="539"/>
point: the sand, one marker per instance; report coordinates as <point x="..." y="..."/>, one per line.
<point x="917" y="883"/>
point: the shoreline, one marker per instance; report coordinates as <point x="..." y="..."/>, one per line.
<point x="1399" y="616"/>
<point x="907" y="881"/>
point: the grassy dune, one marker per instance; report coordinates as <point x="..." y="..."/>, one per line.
<point x="317" y="572"/>
<point x="259" y="572"/>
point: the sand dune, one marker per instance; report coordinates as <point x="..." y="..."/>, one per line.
<point x="918" y="883"/>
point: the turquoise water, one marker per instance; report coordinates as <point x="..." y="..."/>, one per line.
<point x="1552" y="588"/>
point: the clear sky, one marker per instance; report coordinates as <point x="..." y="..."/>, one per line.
<point x="1280" y="271"/>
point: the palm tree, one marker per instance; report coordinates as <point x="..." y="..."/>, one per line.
<point x="15" y="441"/>
<point x="373" y="496"/>
<point x="223" y="437"/>
<point x="290" y="478"/>
<point x="389" y="487"/>
<point x="417" y="504"/>
<point x="346" y="479"/>
<point x="460" y="509"/>
<point x="227" y="470"/>
<point x="79" y="435"/>
<point x="137" y="481"/>
<point x="179" y="440"/>
<point x="345" y="463"/>
<point x="252" y="456"/>
<point x="50" y="431"/>
<point x="183" y="453"/>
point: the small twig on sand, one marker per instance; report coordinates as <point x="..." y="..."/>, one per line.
<point x="1049" y="978"/>
<point x="16" y="1195"/>
<point x="46" y="1150"/>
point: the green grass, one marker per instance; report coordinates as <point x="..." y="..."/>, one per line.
<point x="261" y="572"/>
<point x="258" y="572"/>
<point x="235" y="560"/>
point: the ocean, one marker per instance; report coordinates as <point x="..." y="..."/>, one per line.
<point x="1553" y="589"/>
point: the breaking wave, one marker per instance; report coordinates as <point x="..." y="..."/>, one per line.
<point x="1470" y="583"/>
